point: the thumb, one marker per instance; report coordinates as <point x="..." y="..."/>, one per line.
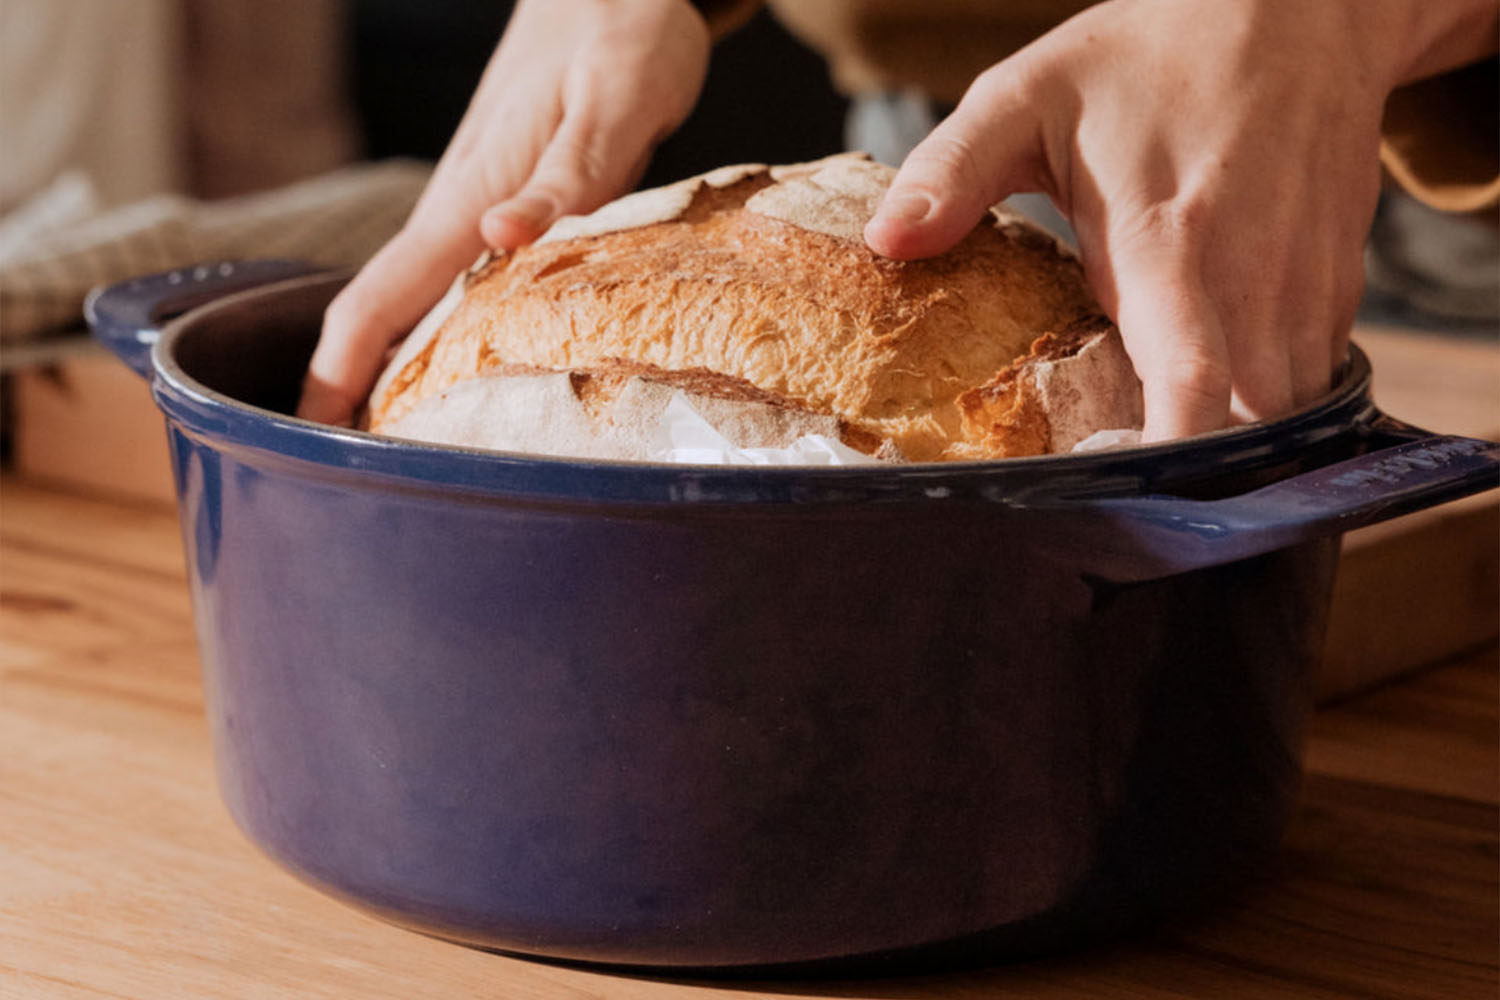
<point x="986" y="150"/>
<point x="588" y="162"/>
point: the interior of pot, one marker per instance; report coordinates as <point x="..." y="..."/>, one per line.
<point x="254" y="347"/>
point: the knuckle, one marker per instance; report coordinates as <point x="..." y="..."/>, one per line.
<point x="488" y="179"/>
<point x="1181" y="221"/>
<point x="496" y="180"/>
<point x="946" y="161"/>
<point x="1012" y="81"/>
<point x="573" y="169"/>
<point x="590" y="165"/>
<point x="1263" y="400"/>
<point x="993" y="82"/>
<point x="1196" y="379"/>
<point x="648" y="92"/>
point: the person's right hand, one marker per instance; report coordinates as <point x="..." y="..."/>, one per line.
<point x="570" y="107"/>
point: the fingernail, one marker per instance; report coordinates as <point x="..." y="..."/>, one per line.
<point x="906" y="207"/>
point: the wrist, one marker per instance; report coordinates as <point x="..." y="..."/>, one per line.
<point x="1423" y="38"/>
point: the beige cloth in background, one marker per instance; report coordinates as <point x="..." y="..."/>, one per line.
<point x="203" y="97"/>
<point x="116" y="117"/>
<point x="52" y="255"/>
<point x="89" y="85"/>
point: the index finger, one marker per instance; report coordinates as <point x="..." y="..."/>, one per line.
<point x="385" y="300"/>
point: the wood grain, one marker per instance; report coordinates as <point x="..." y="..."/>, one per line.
<point x="122" y="876"/>
<point x="1425" y="586"/>
<point x="1444" y="383"/>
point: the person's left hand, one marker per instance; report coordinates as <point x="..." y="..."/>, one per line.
<point x="1219" y="163"/>
<point x="575" y="98"/>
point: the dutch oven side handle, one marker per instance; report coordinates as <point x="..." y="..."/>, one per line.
<point x="1172" y="534"/>
<point x="127" y="317"/>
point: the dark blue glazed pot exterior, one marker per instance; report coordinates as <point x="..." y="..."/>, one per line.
<point x="718" y="718"/>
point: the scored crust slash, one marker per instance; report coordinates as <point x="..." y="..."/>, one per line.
<point x="750" y="289"/>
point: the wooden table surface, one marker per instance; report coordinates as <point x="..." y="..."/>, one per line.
<point x="121" y="874"/>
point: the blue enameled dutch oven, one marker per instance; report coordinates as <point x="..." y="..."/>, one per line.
<point x="709" y="717"/>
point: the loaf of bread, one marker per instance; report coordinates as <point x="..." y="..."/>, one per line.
<point x="751" y="289"/>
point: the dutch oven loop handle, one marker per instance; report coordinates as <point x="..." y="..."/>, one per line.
<point x="127" y="318"/>
<point x="1421" y="470"/>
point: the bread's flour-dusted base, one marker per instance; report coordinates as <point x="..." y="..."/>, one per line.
<point x="751" y="289"/>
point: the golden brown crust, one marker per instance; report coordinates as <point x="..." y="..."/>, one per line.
<point x="1007" y="415"/>
<point x="602" y="381"/>
<point x="818" y="321"/>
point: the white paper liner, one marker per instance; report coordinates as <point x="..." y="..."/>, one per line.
<point x="1122" y="437"/>
<point x="684" y="436"/>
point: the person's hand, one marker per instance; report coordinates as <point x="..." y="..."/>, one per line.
<point x="567" y="114"/>
<point x="1219" y="164"/>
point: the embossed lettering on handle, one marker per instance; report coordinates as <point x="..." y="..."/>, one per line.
<point x="1147" y="537"/>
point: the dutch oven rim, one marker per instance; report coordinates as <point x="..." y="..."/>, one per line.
<point x="209" y="414"/>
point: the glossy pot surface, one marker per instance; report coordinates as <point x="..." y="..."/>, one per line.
<point x="745" y="717"/>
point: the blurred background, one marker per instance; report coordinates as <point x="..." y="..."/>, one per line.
<point x="217" y="98"/>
